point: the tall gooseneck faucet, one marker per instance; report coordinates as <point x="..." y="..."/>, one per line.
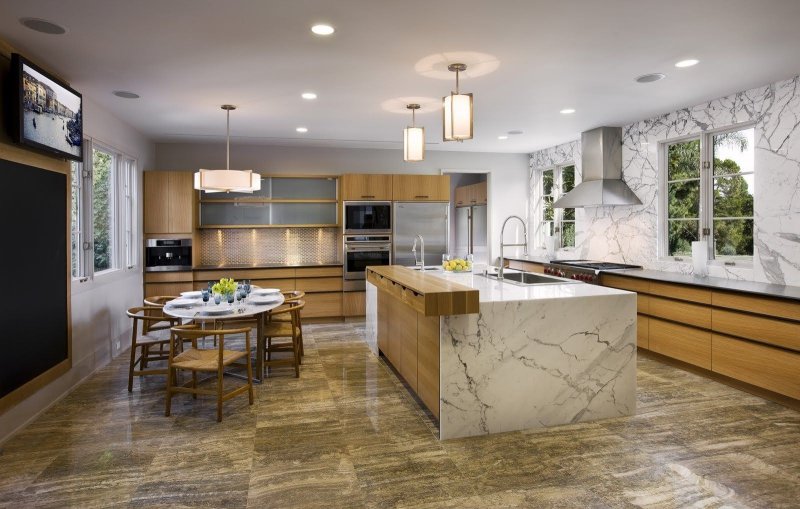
<point x="503" y="245"/>
<point x="420" y="264"/>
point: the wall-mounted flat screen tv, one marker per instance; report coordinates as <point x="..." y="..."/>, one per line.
<point x="48" y="113"/>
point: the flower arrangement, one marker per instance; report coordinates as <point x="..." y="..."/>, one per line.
<point x="225" y="286"/>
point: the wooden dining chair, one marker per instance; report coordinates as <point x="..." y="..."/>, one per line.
<point x="288" y="297"/>
<point x="277" y="329"/>
<point x="212" y="360"/>
<point x="143" y="343"/>
<point x="158" y="301"/>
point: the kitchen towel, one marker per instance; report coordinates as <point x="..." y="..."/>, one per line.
<point x="700" y="258"/>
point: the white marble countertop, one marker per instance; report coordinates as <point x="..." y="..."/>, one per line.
<point x="492" y="290"/>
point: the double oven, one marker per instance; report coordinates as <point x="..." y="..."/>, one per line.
<point x="367" y="239"/>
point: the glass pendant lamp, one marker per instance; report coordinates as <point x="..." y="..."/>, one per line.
<point x="413" y="139"/>
<point x="457" y="111"/>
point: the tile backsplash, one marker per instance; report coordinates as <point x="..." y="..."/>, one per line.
<point x="256" y="246"/>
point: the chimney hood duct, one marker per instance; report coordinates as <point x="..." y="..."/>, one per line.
<point x="602" y="185"/>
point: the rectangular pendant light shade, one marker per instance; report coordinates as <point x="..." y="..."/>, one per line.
<point x="413" y="144"/>
<point x="219" y="181"/>
<point x="457" y="117"/>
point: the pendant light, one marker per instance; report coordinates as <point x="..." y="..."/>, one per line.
<point x="227" y="180"/>
<point x="457" y="111"/>
<point x="413" y="139"/>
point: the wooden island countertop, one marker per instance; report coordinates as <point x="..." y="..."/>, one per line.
<point x="428" y="294"/>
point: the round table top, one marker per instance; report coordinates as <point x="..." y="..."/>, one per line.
<point x="198" y="312"/>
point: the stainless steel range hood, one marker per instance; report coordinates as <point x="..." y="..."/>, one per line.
<point x="602" y="184"/>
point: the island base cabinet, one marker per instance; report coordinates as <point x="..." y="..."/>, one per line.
<point x="428" y="362"/>
<point x="774" y="369"/>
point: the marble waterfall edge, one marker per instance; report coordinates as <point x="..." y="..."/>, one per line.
<point x="529" y="364"/>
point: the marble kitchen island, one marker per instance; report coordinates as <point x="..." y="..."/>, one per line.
<point x="487" y="356"/>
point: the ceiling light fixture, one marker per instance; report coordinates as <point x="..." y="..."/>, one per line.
<point x="567" y="111"/>
<point x="413" y="139"/>
<point x="323" y="29"/>
<point x="650" y="78"/>
<point x="302" y="129"/>
<point x="687" y="63"/>
<point x="43" y="26"/>
<point x="125" y="94"/>
<point x="502" y="137"/>
<point x="457" y="115"/>
<point x="227" y="180"/>
<point x="308" y="96"/>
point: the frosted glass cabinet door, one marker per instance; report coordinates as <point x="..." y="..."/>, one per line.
<point x="262" y="193"/>
<point x="234" y="214"/>
<point x="303" y="213"/>
<point x="284" y="188"/>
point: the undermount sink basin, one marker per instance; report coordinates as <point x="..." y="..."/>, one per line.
<point x="530" y="279"/>
<point x="427" y="267"/>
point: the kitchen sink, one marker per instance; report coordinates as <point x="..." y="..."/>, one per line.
<point x="531" y="279"/>
<point x="427" y="267"/>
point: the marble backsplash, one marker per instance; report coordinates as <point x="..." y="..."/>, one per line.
<point x="629" y="233"/>
<point x="256" y="246"/>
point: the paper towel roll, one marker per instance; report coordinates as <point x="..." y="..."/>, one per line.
<point x="700" y="258"/>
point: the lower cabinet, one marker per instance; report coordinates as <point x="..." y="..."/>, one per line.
<point x="526" y="266"/>
<point x="680" y="342"/>
<point x="354" y="304"/>
<point x="428" y="362"/>
<point x="773" y="369"/>
<point x="642" y="331"/>
<point x="323" y="305"/>
<point x="167" y="283"/>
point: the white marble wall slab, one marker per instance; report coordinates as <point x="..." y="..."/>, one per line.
<point x="629" y="233"/>
<point x="530" y="364"/>
<point x="371" y="320"/>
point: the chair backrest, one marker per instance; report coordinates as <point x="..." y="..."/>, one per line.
<point x="159" y="300"/>
<point x="149" y="315"/>
<point x="292" y="308"/>
<point x="293" y="296"/>
<point x="193" y="333"/>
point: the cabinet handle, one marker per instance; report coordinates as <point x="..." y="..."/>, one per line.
<point x="421" y="196"/>
<point x="473" y="201"/>
<point x="368" y="196"/>
<point x="459" y="203"/>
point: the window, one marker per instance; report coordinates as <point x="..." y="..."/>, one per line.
<point x="555" y="183"/>
<point x="104" y="212"/>
<point x="709" y="194"/>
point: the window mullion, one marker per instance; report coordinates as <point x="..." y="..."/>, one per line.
<point x="707" y="192"/>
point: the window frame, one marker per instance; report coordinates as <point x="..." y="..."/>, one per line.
<point x="706" y="212"/>
<point x="558" y="213"/>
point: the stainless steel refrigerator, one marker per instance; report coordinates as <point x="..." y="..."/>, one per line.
<point x="429" y="219"/>
<point x="470" y="234"/>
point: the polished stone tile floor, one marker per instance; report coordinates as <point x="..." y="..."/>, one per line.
<point x="347" y="434"/>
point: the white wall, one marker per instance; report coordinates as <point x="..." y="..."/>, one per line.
<point x="98" y="307"/>
<point x="508" y="173"/>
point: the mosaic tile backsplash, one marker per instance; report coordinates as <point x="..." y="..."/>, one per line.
<point x="256" y="246"/>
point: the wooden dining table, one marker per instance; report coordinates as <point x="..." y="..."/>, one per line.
<point x="254" y="306"/>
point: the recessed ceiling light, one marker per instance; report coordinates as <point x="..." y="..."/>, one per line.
<point x="650" y="78"/>
<point x="43" y="26"/>
<point x="302" y="129"/>
<point x="309" y="96"/>
<point x="322" y="29"/>
<point x="515" y="132"/>
<point x="567" y="111"/>
<point x="125" y="94"/>
<point x="687" y="63"/>
<point x="502" y="137"/>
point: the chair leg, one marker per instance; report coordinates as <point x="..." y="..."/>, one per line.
<point x="219" y="395"/>
<point x="269" y="345"/>
<point x="130" y="369"/>
<point x="249" y="378"/>
<point x="194" y="383"/>
<point x="170" y="374"/>
<point x="145" y="355"/>
<point x="296" y="353"/>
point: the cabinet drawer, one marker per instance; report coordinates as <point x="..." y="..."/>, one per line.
<point x="760" y="365"/>
<point x="680" y="342"/>
<point x="319" y="284"/>
<point x="680" y="292"/>
<point x="323" y="305"/>
<point x="758" y="328"/>
<point x="167" y="277"/>
<point x="626" y="283"/>
<point x="318" y="271"/>
<point x="354" y="303"/>
<point x="680" y="311"/>
<point x="642" y="303"/>
<point x="163" y="289"/>
<point x="526" y="266"/>
<point x="237" y="274"/>
<point x="642" y="331"/>
<point x="780" y="308"/>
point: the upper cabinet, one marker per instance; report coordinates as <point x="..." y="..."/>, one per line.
<point x="474" y="194"/>
<point x="421" y="187"/>
<point x="168" y="201"/>
<point x="282" y="201"/>
<point x="356" y="186"/>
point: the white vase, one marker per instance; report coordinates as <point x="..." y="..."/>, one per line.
<point x="700" y="258"/>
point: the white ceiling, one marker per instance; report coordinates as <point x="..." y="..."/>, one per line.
<point x="187" y="57"/>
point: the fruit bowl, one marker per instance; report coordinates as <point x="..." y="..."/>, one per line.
<point x="456" y="265"/>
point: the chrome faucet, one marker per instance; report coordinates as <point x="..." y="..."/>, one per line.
<point x="420" y="264"/>
<point x="503" y="245"/>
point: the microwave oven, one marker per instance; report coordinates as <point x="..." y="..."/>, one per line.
<point x="367" y="217"/>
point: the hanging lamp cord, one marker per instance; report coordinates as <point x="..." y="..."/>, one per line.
<point x="228" y="142"/>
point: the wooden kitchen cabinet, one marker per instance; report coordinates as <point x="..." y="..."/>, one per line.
<point x="168" y="204"/>
<point x="462" y="196"/>
<point x="167" y="283"/>
<point x="354" y="303"/>
<point x="473" y="194"/>
<point x="421" y="187"/>
<point x="358" y="186"/>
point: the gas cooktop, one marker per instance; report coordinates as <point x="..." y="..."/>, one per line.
<point x="589" y="264"/>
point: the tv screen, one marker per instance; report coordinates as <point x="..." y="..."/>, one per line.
<point x="49" y="113"/>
